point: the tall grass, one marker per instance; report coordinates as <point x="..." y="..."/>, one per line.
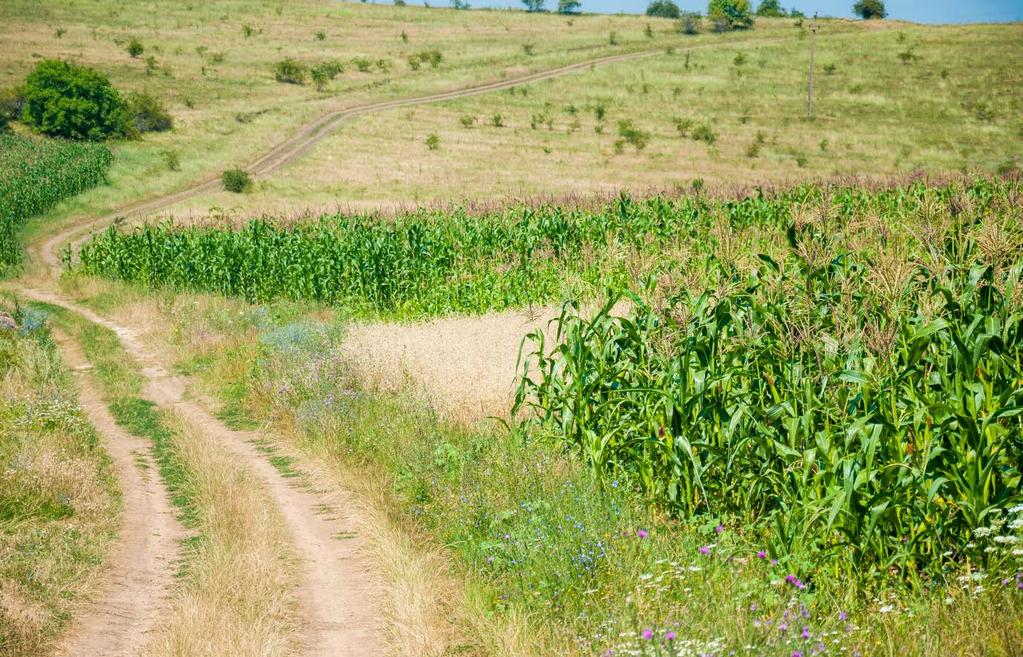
<point x="35" y="175"/>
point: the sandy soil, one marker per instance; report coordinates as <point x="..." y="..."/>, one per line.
<point x="141" y="568"/>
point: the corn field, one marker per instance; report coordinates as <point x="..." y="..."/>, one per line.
<point x="846" y="377"/>
<point x="431" y="263"/>
<point x="35" y="175"/>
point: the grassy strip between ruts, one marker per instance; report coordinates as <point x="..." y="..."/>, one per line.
<point x="237" y="595"/>
<point x="58" y="494"/>
<point x="121" y="382"/>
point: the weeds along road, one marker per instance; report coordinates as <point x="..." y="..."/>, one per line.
<point x="339" y="587"/>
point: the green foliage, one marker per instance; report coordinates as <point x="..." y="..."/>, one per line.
<point x="324" y="72"/>
<point x="467" y="120"/>
<point x="433" y="141"/>
<point x="633" y="135"/>
<point x="460" y="4"/>
<point x="74" y="102"/>
<point x="663" y="9"/>
<point x="730" y="15"/>
<point x="236" y="180"/>
<point x="290" y="71"/>
<point x="534" y="5"/>
<point x="497" y="120"/>
<point x="704" y="133"/>
<point x="869" y="9"/>
<point x="569" y="6"/>
<point x="35" y="175"/>
<point x="689" y="23"/>
<point x="432" y="57"/>
<point x="148" y="113"/>
<point x="771" y="9"/>
<point x="857" y="406"/>
<point x="135" y="47"/>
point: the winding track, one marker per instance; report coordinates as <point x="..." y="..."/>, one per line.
<point x="338" y="587"/>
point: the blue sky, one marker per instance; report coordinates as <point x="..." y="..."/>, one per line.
<point x="928" y="11"/>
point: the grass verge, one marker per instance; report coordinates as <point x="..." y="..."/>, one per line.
<point x="58" y="495"/>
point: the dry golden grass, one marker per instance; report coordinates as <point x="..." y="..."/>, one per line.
<point x="236" y="597"/>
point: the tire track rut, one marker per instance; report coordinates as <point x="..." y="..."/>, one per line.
<point x="136" y="593"/>
<point x="340" y="589"/>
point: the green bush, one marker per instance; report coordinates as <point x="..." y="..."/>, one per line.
<point x="148" y="113"/>
<point x="663" y="9"/>
<point x="290" y="71"/>
<point x="236" y="180"/>
<point x="868" y="9"/>
<point x="705" y="133"/>
<point x="689" y="23"/>
<point x="632" y="135"/>
<point x="771" y="9"/>
<point x="12" y="101"/>
<point x="135" y="47"/>
<point x="66" y="100"/>
<point x="569" y="6"/>
<point x="730" y="15"/>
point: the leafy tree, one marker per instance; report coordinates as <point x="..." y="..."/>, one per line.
<point x="460" y="4"/>
<point x="770" y="9"/>
<point x="730" y="15"/>
<point x="569" y="6"/>
<point x="663" y="9"/>
<point x="74" y="102"/>
<point x="868" y="9"/>
<point x="534" y="5"/>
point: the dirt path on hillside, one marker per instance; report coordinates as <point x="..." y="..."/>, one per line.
<point x="340" y="589"/>
<point x="141" y="566"/>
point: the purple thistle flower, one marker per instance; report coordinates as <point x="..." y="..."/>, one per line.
<point x="761" y="555"/>
<point x="648" y="634"/>
<point x="842" y="616"/>
<point x="669" y="635"/>
<point x="797" y="653"/>
<point x="704" y="549"/>
<point x="774" y="562"/>
<point x="720" y="528"/>
<point x="783" y="627"/>
<point x="805" y="633"/>
<point x="642" y="533"/>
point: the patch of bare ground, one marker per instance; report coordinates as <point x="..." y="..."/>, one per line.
<point x="141" y="567"/>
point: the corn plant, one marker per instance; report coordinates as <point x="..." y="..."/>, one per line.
<point x="35" y="175"/>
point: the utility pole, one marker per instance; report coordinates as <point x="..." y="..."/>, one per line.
<point x="809" y="89"/>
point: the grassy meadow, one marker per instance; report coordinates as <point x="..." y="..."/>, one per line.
<point x="899" y="99"/>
